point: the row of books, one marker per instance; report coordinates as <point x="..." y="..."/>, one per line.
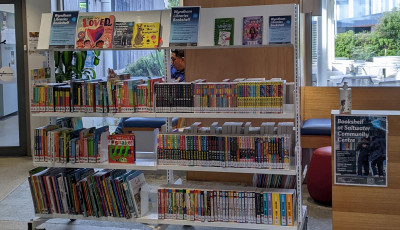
<point x="53" y="143"/>
<point x="210" y="203"/>
<point x="274" y="181"/>
<point x="224" y="151"/>
<point x="103" y="32"/>
<point x="154" y="95"/>
<point x="88" y="96"/>
<point x="238" y="96"/>
<point x="108" y="192"/>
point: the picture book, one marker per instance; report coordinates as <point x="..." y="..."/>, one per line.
<point x="136" y="181"/>
<point x="184" y="26"/>
<point x="95" y="32"/>
<point x="146" y="35"/>
<point x="123" y="33"/>
<point x="224" y="31"/>
<point x="252" y="30"/>
<point x="63" y="28"/>
<point x="121" y="148"/>
<point x="279" y="29"/>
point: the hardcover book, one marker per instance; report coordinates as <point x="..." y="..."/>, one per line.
<point x="252" y="30"/>
<point x="121" y="148"/>
<point x="95" y="32"/>
<point x="146" y="35"/>
<point x="224" y="31"/>
<point x="123" y="33"/>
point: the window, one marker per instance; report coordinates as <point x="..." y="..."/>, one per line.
<point x="365" y="50"/>
<point x="138" y="63"/>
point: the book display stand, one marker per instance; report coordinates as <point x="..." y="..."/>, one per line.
<point x="205" y="41"/>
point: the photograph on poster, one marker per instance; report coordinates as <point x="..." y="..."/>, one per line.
<point x="360" y="155"/>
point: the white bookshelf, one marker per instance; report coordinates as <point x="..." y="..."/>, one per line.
<point x="151" y="165"/>
<point x="182" y="115"/>
<point x="140" y="164"/>
<point x="205" y="41"/>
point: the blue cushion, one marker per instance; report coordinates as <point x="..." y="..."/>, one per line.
<point x="316" y="126"/>
<point x="147" y="122"/>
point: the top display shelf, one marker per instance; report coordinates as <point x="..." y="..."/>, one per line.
<point x="179" y="47"/>
<point x="205" y="26"/>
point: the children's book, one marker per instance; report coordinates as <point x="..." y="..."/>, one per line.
<point x="123" y="33"/>
<point x="146" y="35"/>
<point x="121" y="148"/>
<point x="95" y="32"/>
<point x="184" y="26"/>
<point x="252" y="30"/>
<point x="224" y="31"/>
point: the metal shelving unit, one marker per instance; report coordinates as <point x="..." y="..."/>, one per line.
<point x="291" y="111"/>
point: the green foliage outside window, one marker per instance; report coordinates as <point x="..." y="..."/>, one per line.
<point x="148" y="66"/>
<point x="383" y="41"/>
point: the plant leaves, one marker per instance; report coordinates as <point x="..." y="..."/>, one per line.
<point x="96" y="61"/>
<point x="80" y="58"/>
<point x="67" y="58"/>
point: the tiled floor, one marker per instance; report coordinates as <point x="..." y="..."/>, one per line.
<point x="9" y="134"/>
<point x="16" y="208"/>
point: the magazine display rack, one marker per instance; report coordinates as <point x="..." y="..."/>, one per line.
<point x="205" y="41"/>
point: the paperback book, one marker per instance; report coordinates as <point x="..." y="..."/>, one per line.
<point x="146" y="35"/>
<point x="252" y="30"/>
<point x="95" y="32"/>
<point x="123" y="33"/>
<point x="184" y="26"/>
<point x="224" y="31"/>
<point x="63" y="28"/>
<point x="279" y="29"/>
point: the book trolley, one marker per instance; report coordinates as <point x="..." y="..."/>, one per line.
<point x="205" y="41"/>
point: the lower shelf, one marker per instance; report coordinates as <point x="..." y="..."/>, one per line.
<point x="152" y="218"/>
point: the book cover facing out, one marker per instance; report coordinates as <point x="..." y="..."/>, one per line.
<point x="146" y="35"/>
<point x="95" y="32"/>
<point x="121" y="148"/>
<point x="184" y="26"/>
<point x="252" y="30"/>
<point x="224" y="31"/>
<point x="63" y="28"/>
<point x="280" y="29"/>
<point x="123" y="33"/>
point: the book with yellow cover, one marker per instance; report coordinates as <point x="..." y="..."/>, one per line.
<point x="276" y="208"/>
<point x="146" y="35"/>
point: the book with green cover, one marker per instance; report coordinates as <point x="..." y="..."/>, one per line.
<point x="224" y="31"/>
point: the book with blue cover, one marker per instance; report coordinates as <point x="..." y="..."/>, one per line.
<point x="184" y="26"/>
<point x="63" y="28"/>
<point x="280" y="29"/>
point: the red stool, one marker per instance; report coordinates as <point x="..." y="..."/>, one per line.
<point x="319" y="175"/>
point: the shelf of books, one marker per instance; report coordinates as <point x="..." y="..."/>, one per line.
<point x="87" y="173"/>
<point x="152" y="218"/>
<point x="182" y="115"/>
